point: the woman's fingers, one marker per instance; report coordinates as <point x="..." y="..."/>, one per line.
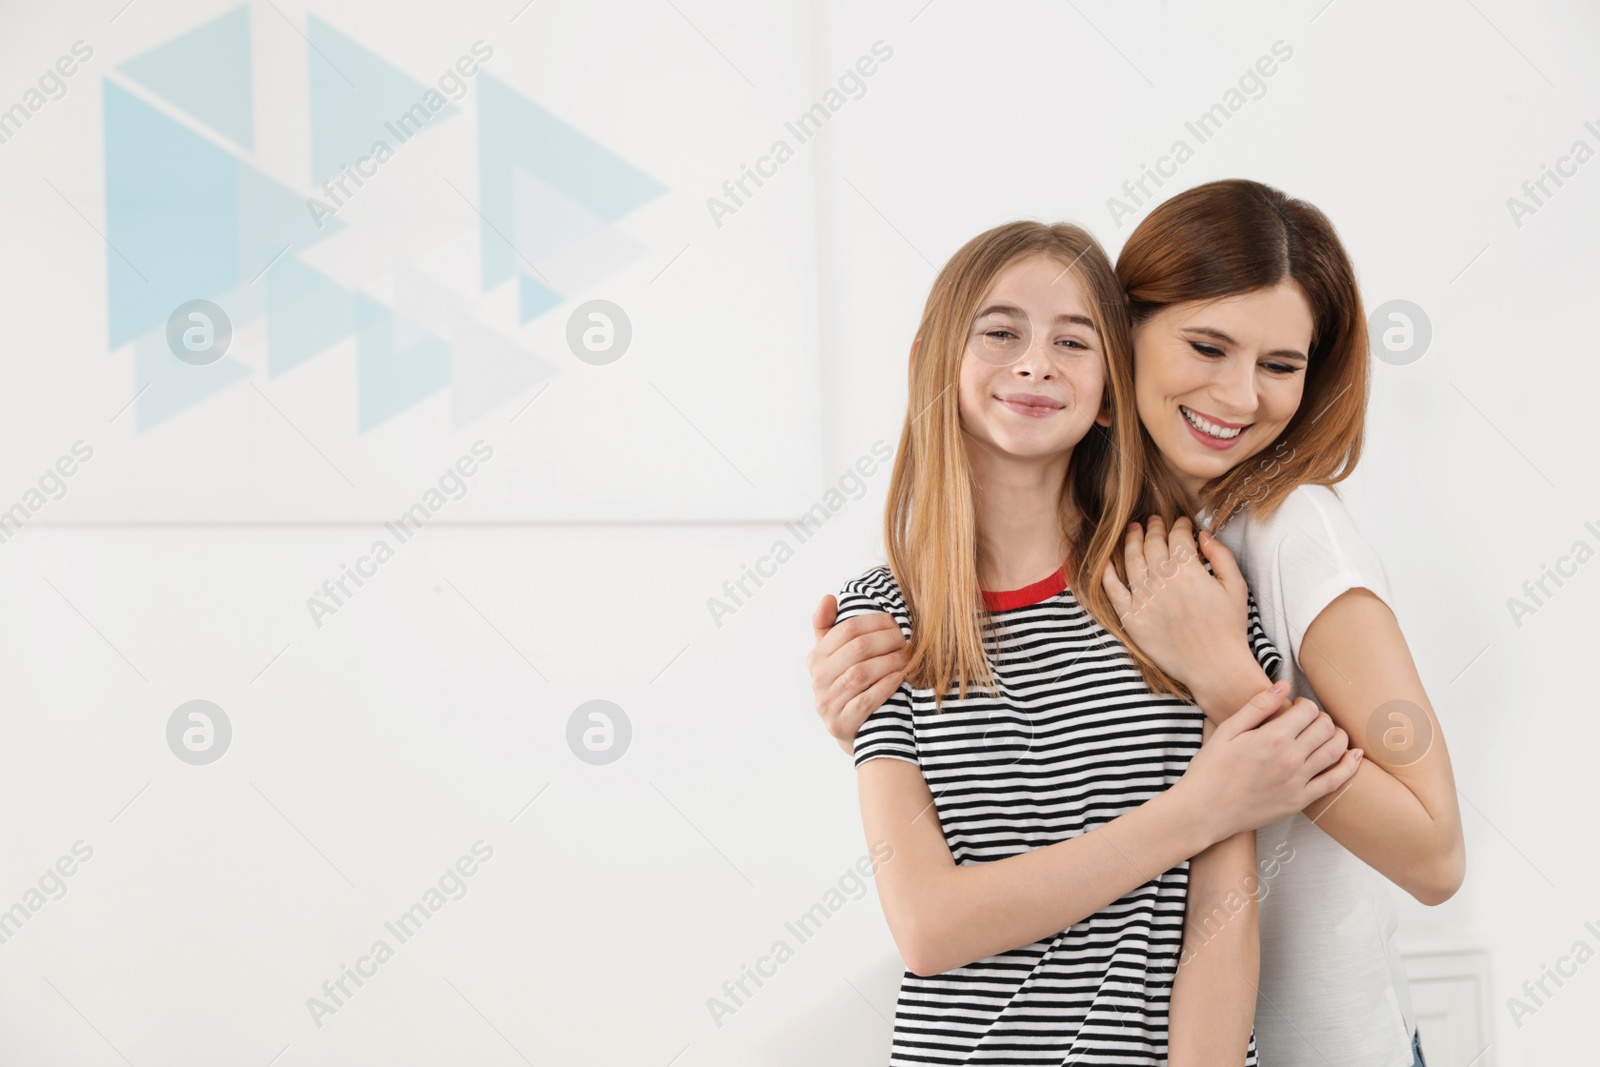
<point x="855" y="627"/>
<point x="873" y="643"/>
<point x="1155" y="546"/>
<point x="1121" y="602"/>
<point x="822" y="619"/>
<point x="1133" y="559"/>
<point x="1180" y="542"/>
<point x="846" y="699"/>
<point x="852" y="664"/>
<point x="850" y="642"/>
<point x="1223" y="564"/>
<point x="859" y="707"/>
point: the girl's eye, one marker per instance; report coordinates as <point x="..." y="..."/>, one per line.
<point x="1000" y="335"/>
<point x="1073" y="342"/>
<point x="1207" y="350"/>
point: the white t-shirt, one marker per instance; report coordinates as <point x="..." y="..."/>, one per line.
<point x="1333" y="992"/>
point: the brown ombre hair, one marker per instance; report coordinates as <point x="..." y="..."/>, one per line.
<point x="1230" y="237"/>
<point x="930" y="526"/>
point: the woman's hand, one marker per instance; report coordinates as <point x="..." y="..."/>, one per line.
<point x="1193" y="623"/>
<point x="854" y="667"/>
<point x="1263" y="764"/>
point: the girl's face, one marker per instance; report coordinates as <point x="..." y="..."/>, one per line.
<point x="1033" y="373"/>
<point x="1217" y="381"/>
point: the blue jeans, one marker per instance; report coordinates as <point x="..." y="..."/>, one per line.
<point x="1416" y="1050"/>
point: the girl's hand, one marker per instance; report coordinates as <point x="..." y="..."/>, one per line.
<point x="1192" y="623"/>
<point x="1261" y="764"/>
<point x="854" y="667"/>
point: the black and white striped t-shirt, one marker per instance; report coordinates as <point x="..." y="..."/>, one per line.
<point x="1074" y="740"/>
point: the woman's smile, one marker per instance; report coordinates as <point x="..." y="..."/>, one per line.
<point x="1212" y="432"/>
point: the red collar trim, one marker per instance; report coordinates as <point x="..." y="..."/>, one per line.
<point x="1044" y="589"/>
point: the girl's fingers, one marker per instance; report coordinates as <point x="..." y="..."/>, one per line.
<point x="1334" y="778"/>
<point x="1256" y="711"/>
<point x="1328" y="753"/>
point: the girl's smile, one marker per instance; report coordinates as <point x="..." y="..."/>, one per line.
<point x="1032" y="405"/>
<point x="1032" y="378"/>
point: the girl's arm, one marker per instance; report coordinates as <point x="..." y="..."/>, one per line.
<point x="1400" y="814"/>
<point x="945" y="916"/>
<point x="1214" y="993"/>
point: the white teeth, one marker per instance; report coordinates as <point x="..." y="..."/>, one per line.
<point x="1206" y="426"/>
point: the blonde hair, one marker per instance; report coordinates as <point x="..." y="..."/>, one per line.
<point x="930" y="525"/>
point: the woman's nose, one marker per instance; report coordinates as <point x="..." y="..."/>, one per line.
<point x="1235" y="389"/>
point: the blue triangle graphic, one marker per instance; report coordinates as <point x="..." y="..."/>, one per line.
<point x="185" y="220"/>
<point x="513" y="131"/>
<point x="172" y="204"/>
<point x="534" y="298"/>
<point x="272" y="218"/>
<point x="390" y="379"/>
<point x="307" y="313"/>
<point x="206" y="72"/>
<point x="358" y="99"/>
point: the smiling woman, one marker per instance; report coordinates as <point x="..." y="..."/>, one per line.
<point x="1246" y="317"/>
<point x="1030" y="727"/>
<point x="1248" y="366"/>
<point x="1215" y="381"/>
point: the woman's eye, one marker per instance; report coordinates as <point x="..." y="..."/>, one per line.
<point x="1207" y="350"/>
<point x="1281" y="368"/>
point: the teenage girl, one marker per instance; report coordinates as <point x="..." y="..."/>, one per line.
<point x="1028" y="782"/>
<point x="1250" y="369"/>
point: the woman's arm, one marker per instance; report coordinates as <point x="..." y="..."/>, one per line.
<point x="945" y="916"/>
<point x="1400" y="814"/>
<point x="854" y="667"/>
<point x="1214" y="993"/>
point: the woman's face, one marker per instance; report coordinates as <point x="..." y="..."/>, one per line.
<point x="1033" y="373"/>
<point x="1217" y="381"/>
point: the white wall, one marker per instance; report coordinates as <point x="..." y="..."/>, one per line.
<point x="372" y="751"/>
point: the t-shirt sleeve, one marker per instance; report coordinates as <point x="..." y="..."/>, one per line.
<point x="1266" y="652"/>
<point x="888" y="732"/>
<point x="1322" y="556"/>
